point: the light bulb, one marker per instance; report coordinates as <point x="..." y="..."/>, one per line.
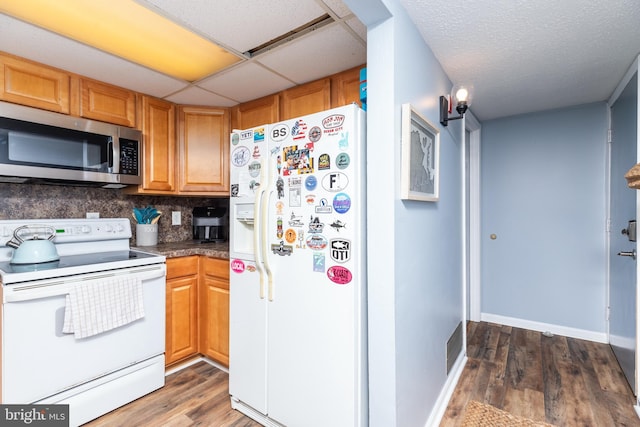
<point x="462" y="94"/>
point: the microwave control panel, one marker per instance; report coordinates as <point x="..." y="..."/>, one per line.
<point x="129" y="159"/>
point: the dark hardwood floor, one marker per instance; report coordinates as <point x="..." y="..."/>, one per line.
<point x="562" y="381"/>
<point x="197" y="395"/>
<point x="559" y="380"/>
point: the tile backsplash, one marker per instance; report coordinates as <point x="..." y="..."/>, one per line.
<point x="30" y="201"/>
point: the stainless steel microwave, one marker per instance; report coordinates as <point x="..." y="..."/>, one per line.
<point x="38" y="146"/>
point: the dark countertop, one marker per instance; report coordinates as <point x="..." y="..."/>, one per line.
<point x="189" y="247"/>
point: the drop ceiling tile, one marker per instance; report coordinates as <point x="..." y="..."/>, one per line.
<point x="197" y="96"/>
<point x="36" y="44"/>
<point x="323" y="52"/>
<point x="246" y="82"/>
<point x="338" y="7"/>
<point x="357" y="26"/>
<point x="240" y="24"/>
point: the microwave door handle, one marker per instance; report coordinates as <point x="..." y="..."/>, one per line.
<point x="110" y="155"/>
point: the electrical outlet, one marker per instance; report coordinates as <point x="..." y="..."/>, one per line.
<point x="176" y="219"/>
<point x="93" y="215"/>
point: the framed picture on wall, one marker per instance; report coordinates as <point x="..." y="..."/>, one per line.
<point x="420" y="157"/>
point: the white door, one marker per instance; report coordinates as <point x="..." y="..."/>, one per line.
<point x="624" y="202"/>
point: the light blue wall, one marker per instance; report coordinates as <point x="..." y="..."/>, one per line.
<point x="415" y="251"/>
<point x="543" y="194"/>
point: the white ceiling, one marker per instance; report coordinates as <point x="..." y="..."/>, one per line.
<point x="520" y="55"/>
<point x="237" y="25"/>
<point x="531" y="55"/>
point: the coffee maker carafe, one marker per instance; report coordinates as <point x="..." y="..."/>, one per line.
<point x="210" y="224"/>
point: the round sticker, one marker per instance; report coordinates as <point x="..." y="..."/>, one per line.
<point x="317" y="242"/>
<point x="311" y="182"/>
<point x="341" y="203"/>
<point x="338" y="274"/>
<point x="342" y="160"/>
<point x="237" y="266"/>
<point x="335" y="181"/>
<point x="240" y="156"/>
<point x="315" y="133"/>
<point x="235" y="138"/>
<point x="290" y="235"/>
<point x="254" y="169"/>
<point x="279" y="132"/>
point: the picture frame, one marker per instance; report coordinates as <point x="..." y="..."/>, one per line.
<point x="420" y="172"/>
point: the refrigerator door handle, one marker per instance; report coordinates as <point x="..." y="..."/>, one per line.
<point x="264" y="214"/>
<point x="257" y="239"/>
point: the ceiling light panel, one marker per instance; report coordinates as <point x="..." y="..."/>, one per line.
<point x="128" y="30"/>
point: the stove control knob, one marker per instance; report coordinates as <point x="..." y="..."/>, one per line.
<point x="109" y="228"/>
<point x="85" y="229"/>
<point x="119" y="228"/>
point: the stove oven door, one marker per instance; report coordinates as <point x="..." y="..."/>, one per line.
<point x="39" y="361"/>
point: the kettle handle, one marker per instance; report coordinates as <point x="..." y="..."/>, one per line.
<point x="43" y="228"/>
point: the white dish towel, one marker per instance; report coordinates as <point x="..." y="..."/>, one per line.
<point x="96" y="307"/>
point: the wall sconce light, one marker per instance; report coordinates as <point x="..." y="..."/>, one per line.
<point x="461" y="96"/>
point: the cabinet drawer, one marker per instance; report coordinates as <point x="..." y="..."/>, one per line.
<point x="216" y="267"/>
<point x="182" y="266"/>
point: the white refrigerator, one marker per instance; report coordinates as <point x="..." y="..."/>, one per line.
<point x="298" y="351"/>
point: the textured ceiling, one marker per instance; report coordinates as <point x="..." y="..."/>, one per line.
<point x="531" y="55"/>
<point x="520" y="55"/>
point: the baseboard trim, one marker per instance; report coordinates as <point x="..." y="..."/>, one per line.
<point x="447" y="390"/>
<point x="600" y="337"/>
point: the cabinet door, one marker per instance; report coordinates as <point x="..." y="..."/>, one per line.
<point x="306" y="99"/>
<point x="27" y="83"/>
<point x="181" y="334"/>
<point x="204" y="150"/>
<point x="159" y="147"/>
<point x="257" y="112"/>
<point x="345" y="88"/>
<point x="214" y="309"/>
<point x="107" y="103"/>
<point x="182" y="318"/>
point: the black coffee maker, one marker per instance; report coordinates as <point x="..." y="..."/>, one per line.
<point x="210" y="224"/>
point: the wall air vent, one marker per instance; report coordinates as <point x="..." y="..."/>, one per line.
<point x="317" y="23"/>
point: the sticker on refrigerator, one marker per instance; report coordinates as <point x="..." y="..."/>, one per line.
<point x="342" y="161"/>
<point x="340" y="275"/>
<point x="335" y="181"/>
<point x="240" y="156"/>
<point x="343" y="144"/>
<point x="235" y="189"/>
<point x="324" y="162"/>
<point x="340" y="250"/>
<point x="279" y="132"/>
<point x="323" y="207"/>
<point x="237" y="266"/>
<point x="296" y="161"/>
<point x="258" y="135"/>
<point x="295" y="192"/>
<point x="246" y="134"/>
<point x="301" y="241"/>
<point x="256" y="152"/>
<point x="281" y="249"/>
<point x="279" y="232"/>
<point x="235" y="138"/>
<point x="299" y="130"/>
<point x="280" y="187"/>
<point x="317" y="242"/>
<point x="315" y="134"/>
<point x="341" y="203"/>
<point x="290" y="235"/>
<point x="318" y="262"/>
<point x="333" y="124"/>
<point x="254" y="169"/>
<point x="279" y="207"/>
<point x="310" y="199"/>
<point x="311" y="182"/>
<point x="337" y="225"/>
<point x="315" y="225"/>
<point x="295" y="220"/>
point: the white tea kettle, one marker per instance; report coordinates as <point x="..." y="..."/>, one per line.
<point x="34" y="250"/>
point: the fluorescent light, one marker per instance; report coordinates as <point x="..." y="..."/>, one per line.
<point x="126" y="29"/>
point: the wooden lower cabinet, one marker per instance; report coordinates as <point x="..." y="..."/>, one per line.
<point x="197" y="317"/>
<point x="181" y="339"/>
<point x="214" y="309"/>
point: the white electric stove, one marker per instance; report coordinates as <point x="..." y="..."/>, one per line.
<point x="44" y="365"/>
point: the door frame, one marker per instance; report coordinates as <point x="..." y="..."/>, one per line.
<point x="633" y="69"/>
<point x="472" y="241"/>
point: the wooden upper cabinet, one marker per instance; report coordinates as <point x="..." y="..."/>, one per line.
<point x="306" y="99"/>
<point x="345" y="88"/>
<point x="159" y="146"/>
<point x="107" y="103"/>
<point x="27" y="83"/>
<point x="257" y="112"/>
<point x="203" y="147"/>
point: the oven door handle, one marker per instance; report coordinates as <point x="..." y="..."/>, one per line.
<point x="53" y="287"/>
